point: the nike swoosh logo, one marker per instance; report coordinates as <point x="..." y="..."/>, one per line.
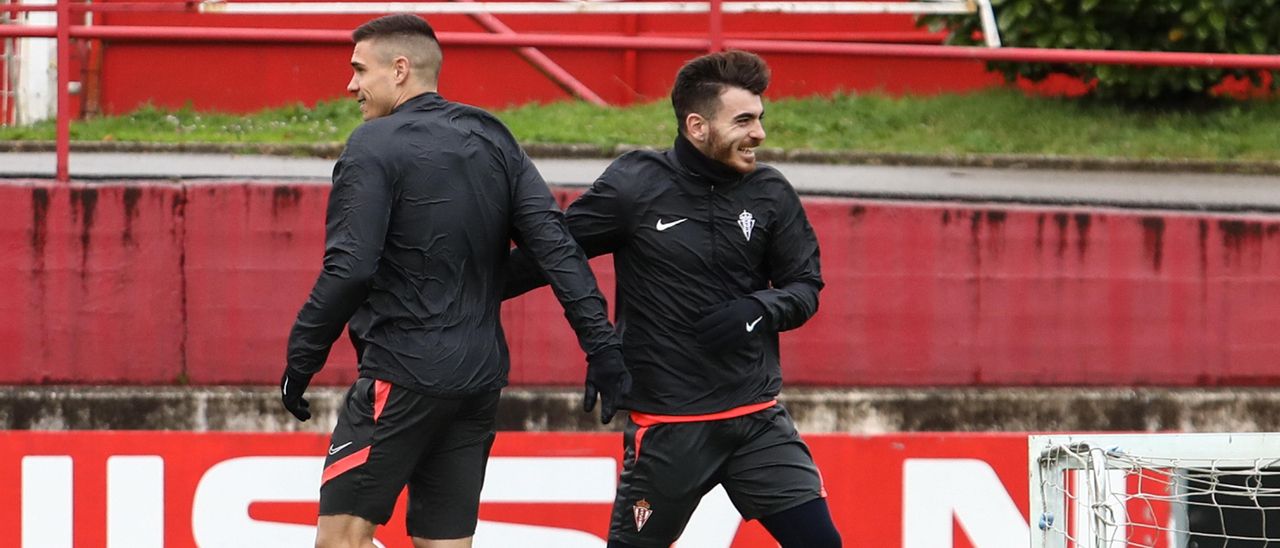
<point x="284" y="390"/>
<point x="751" y="326"/>
<point x="333" y="449"/>
<point x="663" y="226"/>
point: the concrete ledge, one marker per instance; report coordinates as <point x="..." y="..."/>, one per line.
<point x="856" y="411"/>
<point x="1036" y="409"/>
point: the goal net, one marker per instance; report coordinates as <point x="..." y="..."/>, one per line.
<point x="1155" y="490"/>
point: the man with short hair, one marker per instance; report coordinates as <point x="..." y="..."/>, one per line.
<point x="426" y="198"/>
<point x="714" y="256"/>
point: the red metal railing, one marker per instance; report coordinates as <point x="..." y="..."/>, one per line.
<point x="63" y="173"/>
<point x="715" y="40"/>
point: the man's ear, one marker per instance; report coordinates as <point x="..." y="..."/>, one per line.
<point x="695" y="127"/>
<point x="400" y="69"/>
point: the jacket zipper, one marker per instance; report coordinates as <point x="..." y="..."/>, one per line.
<point x="711" y="224"/>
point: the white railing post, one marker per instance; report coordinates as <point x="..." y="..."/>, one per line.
<point x="990" y="32"/>
<point x="34" y="98"/>
<point x="7" y="77"/>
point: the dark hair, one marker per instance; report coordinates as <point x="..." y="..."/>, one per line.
<point x="408" y="35"/>
<point x="701" y="81"/>
<point x="393" y="25"/>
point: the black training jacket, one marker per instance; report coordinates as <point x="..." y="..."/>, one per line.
<point x="424" y="206"/>
<point x="681" y="242"/>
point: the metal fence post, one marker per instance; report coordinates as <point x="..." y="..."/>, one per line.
<point x="716" y="32"/>
<point x="64" y="94"/>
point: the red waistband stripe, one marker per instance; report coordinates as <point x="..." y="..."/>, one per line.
<point x="647" y="419"/>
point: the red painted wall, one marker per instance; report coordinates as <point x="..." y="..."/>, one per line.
<point x="947" y="294"/>
<point x="155" y="283"/>
<point x="951" y="294"/>
<point x="252" y="253"/>
<point x="247" y="77"/>
<point x="92" y="283"/>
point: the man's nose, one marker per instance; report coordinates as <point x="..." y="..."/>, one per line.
<point x="352" y="86"/>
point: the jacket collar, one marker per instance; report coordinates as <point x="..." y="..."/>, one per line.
<point x="704" y="169"/>
<point x="424" y="100"/>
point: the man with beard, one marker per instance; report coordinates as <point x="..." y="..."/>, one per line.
<point x="426" y="198"/>
<point x="714" y="256"/>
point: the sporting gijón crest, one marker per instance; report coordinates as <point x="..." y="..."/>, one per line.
<point x="746" y="221"/>
<point x="641" y="511"/>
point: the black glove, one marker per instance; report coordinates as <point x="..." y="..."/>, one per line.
<point x="731" y="325"/>
<point x="292" y="385"/>
<point x="608" y="377"/>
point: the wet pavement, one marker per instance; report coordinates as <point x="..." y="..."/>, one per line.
<point x="1142" y="189"/>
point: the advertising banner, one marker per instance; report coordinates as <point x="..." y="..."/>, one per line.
<point x="542" y="490"/>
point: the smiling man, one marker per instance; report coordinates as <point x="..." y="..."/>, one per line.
<point x="427" y="196"/>
<point x="714" y="256"/>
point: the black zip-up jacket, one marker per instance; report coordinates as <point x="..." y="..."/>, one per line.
<point x="687" y="233"/>
<point x="424" y="206"/>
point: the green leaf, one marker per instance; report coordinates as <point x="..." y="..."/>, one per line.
<point x="1023" y="8"/>
<point x="1071" y="38"/>
<point x="1093" y="39"/>
<point x="1007" y="25"/>
<point x="1218" y="20"/>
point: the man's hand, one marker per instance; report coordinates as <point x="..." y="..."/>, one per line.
<point x="608" y="377"/>
<point x="292" y="385"/>
<point x="731" y="325"/>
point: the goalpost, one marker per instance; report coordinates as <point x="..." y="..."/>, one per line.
<point x="1155" y="490"/>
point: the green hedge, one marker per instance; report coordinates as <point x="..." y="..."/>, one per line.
<point x="1210" y="26"/>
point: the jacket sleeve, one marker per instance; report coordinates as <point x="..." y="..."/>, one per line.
<point x="356" y="223"/>
<point x="794" y="272"/>
<point x="547" y="249"/>
<point x="597" y="224"/>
